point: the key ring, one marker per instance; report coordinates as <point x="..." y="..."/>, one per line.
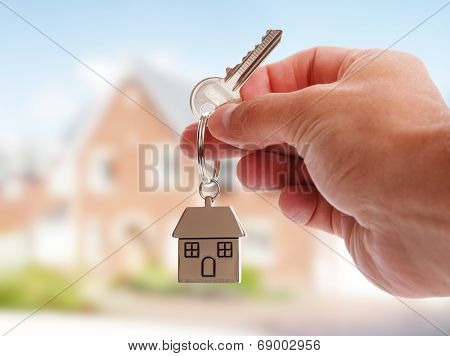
<point x="205" y="176"/>
<point x="213" y="196"/>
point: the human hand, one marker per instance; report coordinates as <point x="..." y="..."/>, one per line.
<point x="367" y="136"/>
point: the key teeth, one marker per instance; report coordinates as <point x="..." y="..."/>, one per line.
<point x="256" y="46"/>
<point x="230" y="71"/>
<point x="269" y="31"/>
<point x="246" y="56"/>
<point x="264" y="37"/>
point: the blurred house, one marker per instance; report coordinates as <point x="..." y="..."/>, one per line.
<point x="120" y="174"/>
<point x="103" y="190"/>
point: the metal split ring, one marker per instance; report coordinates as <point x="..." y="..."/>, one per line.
<point x="216" y="193"/>
<point x="205" y="176"/>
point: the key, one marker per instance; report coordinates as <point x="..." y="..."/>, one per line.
<point x="215" y="91"/>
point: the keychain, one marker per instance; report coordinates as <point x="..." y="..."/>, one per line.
<point x="209" y="236"/>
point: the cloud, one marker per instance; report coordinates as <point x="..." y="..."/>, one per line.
<point x="115" y="69"/>
<point x="102" y="67"/>
<point x="168" y="61"/>
<point x="52" y="105"/>
<point x="11" y="140"/>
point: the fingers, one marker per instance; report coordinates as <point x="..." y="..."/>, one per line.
<point x="299" y="198"/>
<point x="268" y="119"/>
<point x="214" y="149"/>
<point x="262" y="170"/>
<point x="308" y="207"/>
<point x="320" y="65"/>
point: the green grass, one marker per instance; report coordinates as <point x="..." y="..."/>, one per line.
<point x="32" y="286"/>
<point x="154" y="278"/>
<point x="151" y="278"/>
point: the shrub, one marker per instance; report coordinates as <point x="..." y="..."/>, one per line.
<point x="34" y="285"/>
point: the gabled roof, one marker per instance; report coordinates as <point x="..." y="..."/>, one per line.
<point x="209" y="222"/>
<point x="167" y="93"/>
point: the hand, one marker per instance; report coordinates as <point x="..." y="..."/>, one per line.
<point x="369" y="136"/>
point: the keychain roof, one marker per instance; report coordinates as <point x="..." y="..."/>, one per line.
<point x="209" y="222"/>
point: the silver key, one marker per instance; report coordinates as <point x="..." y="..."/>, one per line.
<point x="213" y="92"/>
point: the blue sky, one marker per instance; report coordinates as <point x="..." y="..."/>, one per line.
<point x="42" y="87"/>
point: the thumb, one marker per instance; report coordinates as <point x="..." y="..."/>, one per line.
<point x="266" y="119"/>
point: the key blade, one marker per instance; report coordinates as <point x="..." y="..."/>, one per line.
<point x="239" y="74"/>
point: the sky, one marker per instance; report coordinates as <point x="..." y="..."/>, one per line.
<point x="43" y="88"/>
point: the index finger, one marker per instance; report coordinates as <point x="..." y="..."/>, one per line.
<point x="318" y="65"/>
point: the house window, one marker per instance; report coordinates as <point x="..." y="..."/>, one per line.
<point x="263" y="249"/>
<point x="191" y="249"/>
<point x="100" y="171"/>
<point x="225" y="249"/>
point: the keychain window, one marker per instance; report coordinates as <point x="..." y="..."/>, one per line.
<point x="224" y="249"/>
<point x="191" y="249"/>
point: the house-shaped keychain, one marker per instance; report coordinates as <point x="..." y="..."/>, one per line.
<point x="209" y="244"/>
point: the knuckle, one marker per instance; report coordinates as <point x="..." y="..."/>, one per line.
<point x="399" y="58"/>
<point x="405" y="56"/>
